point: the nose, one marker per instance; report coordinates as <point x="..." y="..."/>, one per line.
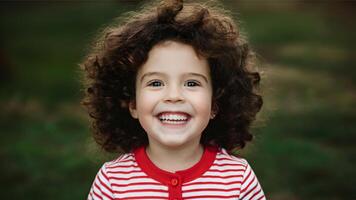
<point x="173" y="94"/>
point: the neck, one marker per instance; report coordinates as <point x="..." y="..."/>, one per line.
<point x="175" y="159"/>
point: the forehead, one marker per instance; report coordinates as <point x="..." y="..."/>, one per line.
<point x="174" y="58"/>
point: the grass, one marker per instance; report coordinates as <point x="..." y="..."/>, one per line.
<point x="303" y="150"/>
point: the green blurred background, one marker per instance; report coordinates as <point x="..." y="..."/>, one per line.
<point x="305" y="134"/>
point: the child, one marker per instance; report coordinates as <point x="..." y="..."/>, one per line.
<point x="171" y="90"/>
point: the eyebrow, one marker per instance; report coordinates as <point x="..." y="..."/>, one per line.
<point x="162" y="74"/>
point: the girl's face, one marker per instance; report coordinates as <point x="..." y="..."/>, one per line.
<point x="173" y="95"/>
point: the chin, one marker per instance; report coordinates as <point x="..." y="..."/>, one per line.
<point x="173" y="144"/>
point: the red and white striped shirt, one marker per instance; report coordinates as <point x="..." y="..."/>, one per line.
<point x="217" y="175"/>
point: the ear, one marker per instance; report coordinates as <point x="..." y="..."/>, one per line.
<point x="132" y="108"/>
<point x="212" y="115"/>
<point x="214" y="110"/>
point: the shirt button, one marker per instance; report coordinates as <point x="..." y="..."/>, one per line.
<point x="174" y="181"/>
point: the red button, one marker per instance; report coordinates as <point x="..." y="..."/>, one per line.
<point x="174" y="181"/>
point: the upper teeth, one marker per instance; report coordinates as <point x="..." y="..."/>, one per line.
<point x="172" y="117"/>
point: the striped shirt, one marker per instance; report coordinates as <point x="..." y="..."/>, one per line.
<point x="217" y="175"/>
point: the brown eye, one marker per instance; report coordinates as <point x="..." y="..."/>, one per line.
<point x="155" y="83"/>
<point x="192" y="83"/>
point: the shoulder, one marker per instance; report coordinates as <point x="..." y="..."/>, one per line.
<point x="124" y="161"/>
<point x="120" y="169"/>
<point x="224" y="159"/>
<point x="249" y="186"/>
<point x="109" y="174"/>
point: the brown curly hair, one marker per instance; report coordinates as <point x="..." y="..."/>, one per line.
<point x="110" y="72"/>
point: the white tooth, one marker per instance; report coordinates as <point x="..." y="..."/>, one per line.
<point x="174" y="122"/>
<point x="172" y="117"/>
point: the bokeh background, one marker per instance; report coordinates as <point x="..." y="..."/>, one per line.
<point x="305" y="134"/>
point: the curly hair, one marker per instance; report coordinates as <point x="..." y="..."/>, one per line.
<point x="110" y="71"/>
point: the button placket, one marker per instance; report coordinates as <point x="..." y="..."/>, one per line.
<point x="174" y="181"/>
<point x="175" y="188"/>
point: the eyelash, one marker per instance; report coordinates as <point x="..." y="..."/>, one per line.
<point x="153" y="83"/>
<point x="196" y="83"/>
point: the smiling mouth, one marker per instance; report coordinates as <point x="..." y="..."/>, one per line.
<point x="174" y="118"/>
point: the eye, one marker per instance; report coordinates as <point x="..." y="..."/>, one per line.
<point x="192" y="83"/>
<point x="155" y="83"/>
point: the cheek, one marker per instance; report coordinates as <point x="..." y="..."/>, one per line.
<point x="202" y="103"/>
<point x="146" y="101"/>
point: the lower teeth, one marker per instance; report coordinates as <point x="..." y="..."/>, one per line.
<point x="173" y="122"/>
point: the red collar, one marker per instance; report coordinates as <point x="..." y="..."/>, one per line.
<point x="183" y="176"/>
